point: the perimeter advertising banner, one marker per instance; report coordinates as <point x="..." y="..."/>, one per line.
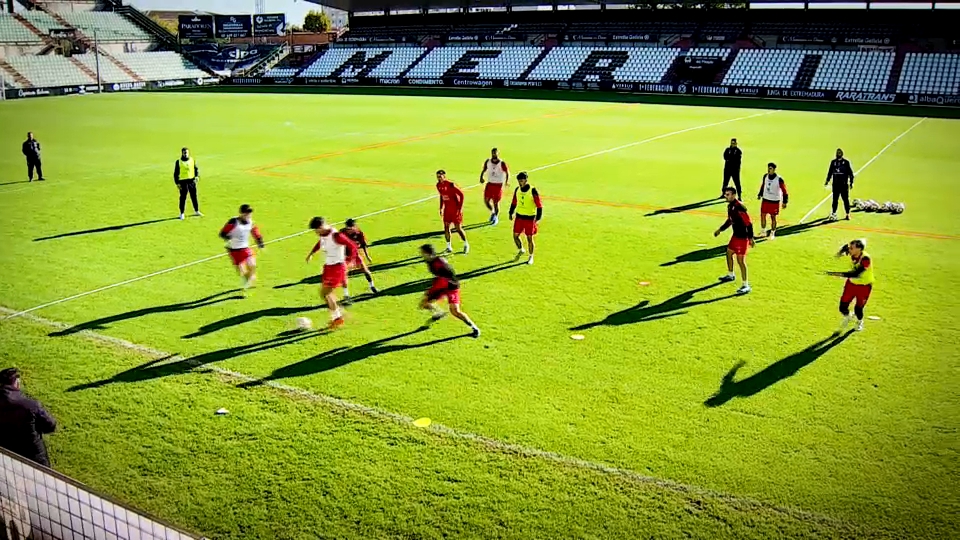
<point x="233" y="26"/>
<point x="195" y="26"/>
<point x="271" y="24"/>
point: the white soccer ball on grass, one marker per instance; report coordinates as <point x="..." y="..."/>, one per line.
<point x="303" y="323"/>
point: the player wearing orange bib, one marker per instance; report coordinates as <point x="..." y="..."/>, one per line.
<point x="451" y="210"/>
<point x="497" y="177"/>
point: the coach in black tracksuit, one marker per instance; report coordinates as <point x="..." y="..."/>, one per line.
<point x="841" y="173"/>
<point x="732" y="157"/>
<point x="31" y="151"/>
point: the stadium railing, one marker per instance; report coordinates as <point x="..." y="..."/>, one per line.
<point x="41" y="504"/>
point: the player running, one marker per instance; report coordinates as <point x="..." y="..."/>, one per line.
<point x="451" y="210"/>
<point x="445" y="284"/>
<point x="337" y="249"/>
<point x="742" y="238"/>
<point x="772" y="191"/>
<point x="355" y="261"/>
<point x="237" y="232"/>
<point x="526" y="203"/>
<point x="859" y="283"/>
<point x="498" y="177"/>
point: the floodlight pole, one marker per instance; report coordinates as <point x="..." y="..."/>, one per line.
<point x="96" y="53"/>
<point x="3" y="87"/>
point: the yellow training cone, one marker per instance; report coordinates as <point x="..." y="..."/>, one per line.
<point x="422" y="422"/>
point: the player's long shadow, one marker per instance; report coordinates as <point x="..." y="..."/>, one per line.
<point x="164" y="367"/>
<point x="104" y="229"/>
<point x="644" y="311"/>
<point x="379" y="267"/>
<point x="251" y="316"/>
<point x="719" y="251"/>
<point x="772" y="374"/>
<point x="101" y="324"/>
<point x="392" y="240"/>
<point x="16" y="182"/>
<point x="685" y="207"/>
<point x="421" y="285"/>
<point x="342" y="356"/>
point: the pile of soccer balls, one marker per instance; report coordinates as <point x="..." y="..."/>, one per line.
<point x="874" y="206"/>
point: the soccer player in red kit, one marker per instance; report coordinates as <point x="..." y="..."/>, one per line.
<point x="497" y="177"/>
<point x="742" y="238"/>
<point x="355" y="261"/>
<point x="859" y="283"/>
<point x="451" y="210"/>
<point x="337" y="249"/>
<point x="773" y="190"/>
<point x="445" y="285"/>
<point x="237" y="233"/>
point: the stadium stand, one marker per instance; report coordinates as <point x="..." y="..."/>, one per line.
<point x="13" y="31"/>
<point x="160" y="65"/>
<point x="367" y="62"/>
<point x="930" y="73"/>
<point x="775" y="68"/>
<point x="631" y="64"/>
<point x="484" y="62"/>
<point x="109" y="72"/>
<point x="51" y="70"/>
<point x="866" y="71"/>
<point x="109" y="27"/>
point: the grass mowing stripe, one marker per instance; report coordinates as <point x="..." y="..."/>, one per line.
<point x="865" y="165"/>
<point x="383" y="211"/>
<point x="481" y="440"/>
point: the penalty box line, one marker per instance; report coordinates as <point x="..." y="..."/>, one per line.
<point x="371" y="214"/>
<point x="865" y="165"/>
<point x="489" y="443"/>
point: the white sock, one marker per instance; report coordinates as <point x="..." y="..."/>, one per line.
<point x="746" y="283"/>
<point x="731" y="274"/>
<point x="466" y="245"/>
<point x="450" y="246"/>
<point x="370" y="283"/>
<point x="335" y="314"/>
<point x="346" y="292"/>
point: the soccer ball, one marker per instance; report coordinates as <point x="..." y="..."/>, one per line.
<point x="304" y="323"/>
<point x="858" y="204"/>
<point x="898" y="208"/>
<point x="887" y="207"/>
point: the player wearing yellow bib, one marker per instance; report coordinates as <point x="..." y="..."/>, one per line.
<point x="186" y="174"/>
<point x="859" y="283"/>
<point x="528" y="209"/>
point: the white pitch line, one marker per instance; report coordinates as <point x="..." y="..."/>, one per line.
<point x="651" y="139"/>
<point x="371" y="214"/>
<point x="496" y="445"/>
<point x="865" y="165"/>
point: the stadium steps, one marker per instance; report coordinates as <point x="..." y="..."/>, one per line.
<point x="12" y="74"/>
<point x="83" y="67"/>
<point x="808" y="69"/>
<point x="47" y="40"/>
<point x="726" y="66"/>
<point x="419" y="59"/>
<point x="895" y="71"/>
<point x="536" y="62"/>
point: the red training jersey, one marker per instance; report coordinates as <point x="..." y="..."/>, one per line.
<point x="451" y="198"/>
<point x="356" y="236"/>
<point x="737" y="217"/>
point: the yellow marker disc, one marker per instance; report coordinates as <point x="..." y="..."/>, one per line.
<point x="577" y="337"/>
<point x="644" y="283"/>
<point x="422" y="422"/>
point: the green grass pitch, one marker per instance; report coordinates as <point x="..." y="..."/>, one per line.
<point x="685" y="412"/>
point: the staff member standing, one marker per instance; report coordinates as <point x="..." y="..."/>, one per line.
<point x="841" y="173"/>
<point x="23" y="421"/>
<point x="732" y="156"/>
<point x="185" y="176"/>
<point x="31" y="151"/>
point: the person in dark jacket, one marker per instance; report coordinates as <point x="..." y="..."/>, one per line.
<point x="23" y="421"/>
<point x="31" y="151"/>
<point x="841" y="173"/>
<point x="732" y="156"/>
